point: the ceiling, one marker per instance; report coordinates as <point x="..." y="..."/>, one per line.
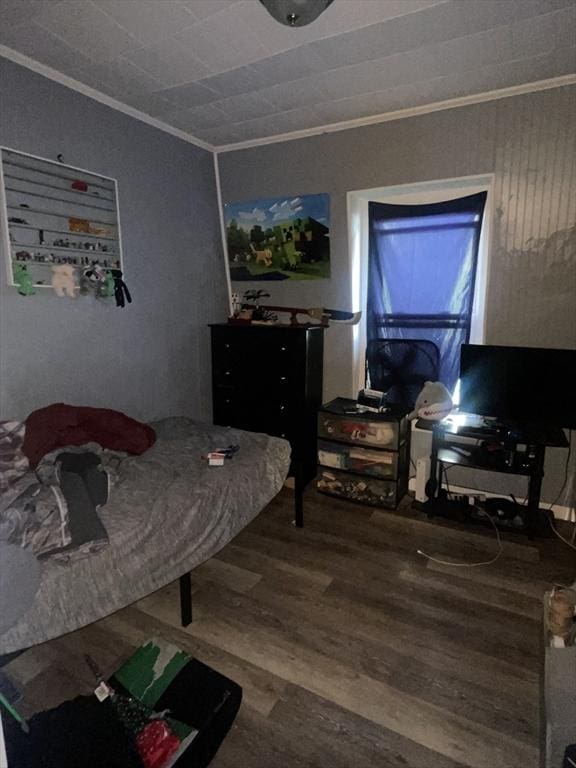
<point x="225" y="72"/>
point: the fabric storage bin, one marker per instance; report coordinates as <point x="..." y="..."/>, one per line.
<point x="354" y="459"/>
<point x="358" y="488"/>
<point x="350" y="429"/>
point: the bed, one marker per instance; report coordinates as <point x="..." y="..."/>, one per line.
<point x="168" y="512"/>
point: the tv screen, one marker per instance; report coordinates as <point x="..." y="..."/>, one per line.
<point x="519" y="384"/>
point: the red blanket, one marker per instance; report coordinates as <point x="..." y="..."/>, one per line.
<point x="59" y="425"/>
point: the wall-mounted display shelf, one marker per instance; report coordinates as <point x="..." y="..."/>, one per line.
<point x="53" y="213"/>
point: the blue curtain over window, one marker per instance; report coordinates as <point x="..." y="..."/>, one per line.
<point x="421" y="274"/>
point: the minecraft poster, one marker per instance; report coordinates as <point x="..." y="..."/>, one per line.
<point x="279" y="238"/>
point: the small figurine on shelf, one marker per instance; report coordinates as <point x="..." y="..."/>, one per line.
<point x="23" y="280"/>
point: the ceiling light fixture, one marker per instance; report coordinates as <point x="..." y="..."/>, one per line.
<point x="295" y="13"/>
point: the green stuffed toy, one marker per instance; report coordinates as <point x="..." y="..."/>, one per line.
<point x="23" y="280"/>
<point x="109" y="285"/>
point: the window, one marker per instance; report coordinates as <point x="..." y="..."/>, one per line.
<point x="421" y="274"/>
<point x="414" y="193"/>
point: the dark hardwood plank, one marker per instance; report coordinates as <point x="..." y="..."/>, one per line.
<point x="343" y="739"/>
<point x="382" y="661"/>
<point x="269" y="640"/>
<point x="352" y="650"/>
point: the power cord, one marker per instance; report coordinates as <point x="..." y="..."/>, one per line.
<point x="493" y="524"/>
<point x="470" y="565"/>
<point x="445" y="473"/>
<point x="560" y="492"/>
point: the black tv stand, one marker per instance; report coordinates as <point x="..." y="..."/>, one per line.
<point x="502" y="448"/>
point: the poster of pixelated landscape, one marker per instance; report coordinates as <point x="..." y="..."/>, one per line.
<point x="279" y="238"/>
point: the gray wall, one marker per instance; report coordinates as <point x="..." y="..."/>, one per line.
<point x="529" y="144"/>
<point x="152" y="358"/>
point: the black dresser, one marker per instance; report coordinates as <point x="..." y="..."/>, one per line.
<point x="268" y="378"/>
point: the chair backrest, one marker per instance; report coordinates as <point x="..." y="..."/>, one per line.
<point x="399" y="367"/>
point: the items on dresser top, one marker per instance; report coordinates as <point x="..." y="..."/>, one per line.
<point x="363" y="456"/>
<point x="269" y="379"/>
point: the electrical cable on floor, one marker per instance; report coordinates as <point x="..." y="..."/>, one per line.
<point x="470" y="565"/>
<point x="481" y="512"/>
<point x="570" y="544"/>
<point x="560" y="492"/>
<point x="445" y="471"/>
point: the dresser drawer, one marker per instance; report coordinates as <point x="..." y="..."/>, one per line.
<point x="348" y="429"/>
<point x="383" y="464"/>
<point x="357" y="488"/>
<point x="234" y="407"/>
<point x="228" y="407"/>
<point x="279" y="417"/>
<point x="272" y="375"/>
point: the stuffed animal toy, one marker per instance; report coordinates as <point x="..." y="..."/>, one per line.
<point x="109" y="285"/>
<point x="23" y="280"/>
<point x="93" y="281"/>
<point x="121" y="292"/>
<point x="433" y="403"/>
<point x="63" y="280"/>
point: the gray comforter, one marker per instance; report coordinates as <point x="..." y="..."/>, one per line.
<point x="169" y="512"/>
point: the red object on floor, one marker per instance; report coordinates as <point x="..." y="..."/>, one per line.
<point x="156" y="744"/>
<point x="59" y="425"/>
<point x="81" y="186"/>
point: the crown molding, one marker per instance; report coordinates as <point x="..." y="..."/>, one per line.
<point x="92" y="93"/>
<point x="424" y="109"/>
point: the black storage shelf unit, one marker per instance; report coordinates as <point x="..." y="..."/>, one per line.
<point x="508" y="450"/>
<point x="363" y="457"/>
<point x="450" y="456"/>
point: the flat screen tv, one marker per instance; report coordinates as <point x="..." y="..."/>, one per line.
<point x="523" y="385"/>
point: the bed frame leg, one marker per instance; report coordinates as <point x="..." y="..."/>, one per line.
<point x="298" y="496"/>
<point x="185" y="599"/>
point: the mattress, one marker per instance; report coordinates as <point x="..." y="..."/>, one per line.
<point x="169" y="512"/>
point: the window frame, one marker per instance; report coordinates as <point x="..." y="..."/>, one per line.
<point x="358" y="245"/>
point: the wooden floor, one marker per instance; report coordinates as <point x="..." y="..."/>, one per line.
<point x="353" y="652"/>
